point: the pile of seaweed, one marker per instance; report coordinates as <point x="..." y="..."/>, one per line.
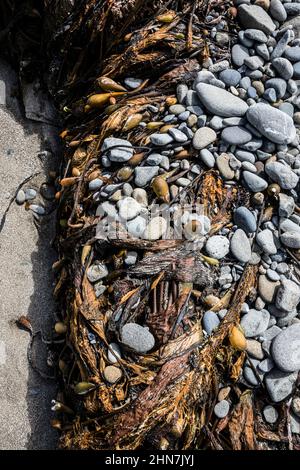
<point x="165" y="398"/>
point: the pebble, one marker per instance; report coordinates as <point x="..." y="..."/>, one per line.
<point x="133" y="83"/>
<point x="240" y="246"/>
<point x="210" y="322"/>
<point x="39" y="210"/>
<point x="283" y="67"/>
<point x="230" y="77"/>
<point x="223" y="164"/>
<point x="129" y="208"/>
<point x="286" y="349"/>
<point x="270" y="414"/>
<point x="254" y="183"/>
<point x="272" y="275"/>
<point x="95" y="184"/>
<point x="20" y="198"/>
<point x="136" y="227"/>
<point x="279" y="384"/>
<point x="254" y="349"/>
<point x="217" y="246"/>
<point x="99" y="288"/>
<point x="161" y="139"/>
<point x="30" y="194"/>
<point x="272" y="123"/>
<point x="112" y="374"/>
<point x="144" y="174"/>
<point x="244" y="219"/>
<point x="221" y="409"/>
<point x="156" y="228"/>
<point x="288" y="295"/>
<point x="255" y="322"/>
<point x="282" y="174"/>
<point x="253" y="16"/>
<point x="238" y="54"/>
<point x="130" y="258"/>
<point x="279" y="86"/>
<point x="117" y="351"/>
<point x="286" y="205"/>
<point x="256" y="35"/>
<point x="220" y="102"/>
<point x="122" y="154"/>
<point x="137" y="337"/>
<point x="292" y="54"/>
<point x="207" y="158"/>
<point x="291" y="239"/>
<point x="203" y="137"/>
<point x="267" y="288"/>
<point x="296" y="406"/>
<point x="97" y="272"/>
<point x="178" y="135"/>
<point x="140" y="195"/>
<point x="236" y="135"/>
<point x="265" y="240"/>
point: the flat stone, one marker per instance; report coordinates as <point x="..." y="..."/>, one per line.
<point x="223" y="164"/>
<point x="270" y="414"/>
<point x="144" y="174"/>
<point x="236" y="135"/>
<point x="244" y="219"/>
<point x="265" y="240"/>
<point x="210" y="322"/>
<point x="288" y="295"/>
<point x="161" y="139"/>
<point x="240" y="246"/>
<point x="286" y="349"/>
<point x="154" y="159"/>
<point x="97" y="272"/>
<point x="113" y="358"/>
<point x="255" y="322"/>
<point x="281" y="47"/>
<point x="287" y="225"/>
<point x="291" y="239"/>
<point x="220" y="102"/>
<point x="272" y="123"/>
<point x="221" y="409"/>
<point x="217" y="246"/>
<point x="253" y="16"/>
<point x="203" y="137"/>
<point x="279" y="384"/>
<point x="254" y="183"/>
<point x="137" y="337"/>
<point x="277" y="10"/>
<point x="156" y="228"/>
<point x="238" y="54"/>
<point x="129" y="208"/>
<point x="267" y="289"/>
<point x="112" y="374"/>
<point x="39" y="210"/>
<point x="254" y="62"/>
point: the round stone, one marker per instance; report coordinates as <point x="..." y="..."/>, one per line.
<point x="136" y="227"/>
<point x="283" y="67"/>
<point x="282" y="174"/>
<point x="156" y="228"/>
<point x="220" y="102"/>
<point x="267" y="289"/>
<point x="291" y="239"/>
<point x="161" y="139"/>
<point x="137" y="337"/>
<point x="270" y="414"/>
<point x="222" y="409"/>
<point x="286" y="349"/>
<point x="217" y="246"/>
<point x="203" y="137"/>
<point x="230" y="77"/>
<point x="129" y="208"/>
<point x="240" y="246"/>
<point x="255" y="322"/>
<point x="20" y="198"/>
<point x="238" y="54"/>
<point x="112" y="374"/>
<point x="223" y="164"/>
<point x="244" y="219"/>
<point x="265" y="240"/>
<point x="288" y="295"/>
<point x="279" y="384"/>
<point x="207" y="158"/>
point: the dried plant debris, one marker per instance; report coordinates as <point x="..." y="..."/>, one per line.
<point x="178" y="224"/>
